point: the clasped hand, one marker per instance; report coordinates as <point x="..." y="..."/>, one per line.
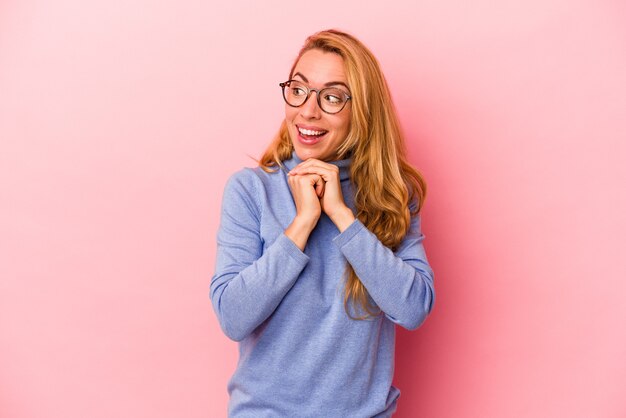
<point x="316" y="187"/>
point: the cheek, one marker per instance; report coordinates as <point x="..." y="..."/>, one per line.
<point x="344" y="125"/>
<point x="290" y="112"/>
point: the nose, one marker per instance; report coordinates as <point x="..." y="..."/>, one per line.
<point x="311" y="109"/>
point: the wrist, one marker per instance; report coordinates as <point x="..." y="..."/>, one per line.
<point x="299" y="230"/>
<point x="305" y="223"/>
<point x="343" y="219"/>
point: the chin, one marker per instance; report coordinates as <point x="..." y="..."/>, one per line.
<point x="305" y="154"/>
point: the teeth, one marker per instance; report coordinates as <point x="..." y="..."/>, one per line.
<point x="310" y="132"/>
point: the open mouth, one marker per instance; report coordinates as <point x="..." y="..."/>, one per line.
<point x="311" y="135"/>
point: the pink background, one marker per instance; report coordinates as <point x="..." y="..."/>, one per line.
<point x="121" y="120"/>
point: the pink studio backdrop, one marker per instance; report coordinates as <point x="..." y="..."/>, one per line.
<point x="120" y="121"/>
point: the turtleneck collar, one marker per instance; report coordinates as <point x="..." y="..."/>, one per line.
<point x="344" y="165"/>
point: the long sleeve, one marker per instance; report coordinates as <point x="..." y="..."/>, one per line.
<point x="249" y="282"/>
<point x="400" y="283"/>
<point x="285" y="307"/>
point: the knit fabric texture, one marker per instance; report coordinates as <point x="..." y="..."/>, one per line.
<point x="300" y="355"/>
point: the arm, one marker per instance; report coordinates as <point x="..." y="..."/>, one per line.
<point x="248" y="283"/>
<point x="400" y="283"/>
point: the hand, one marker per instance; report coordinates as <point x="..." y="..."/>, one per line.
<point x="305" y="190"/>
<point x="331" y="197"/>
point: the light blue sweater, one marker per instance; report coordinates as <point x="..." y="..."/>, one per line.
<point x="300" y="355"/>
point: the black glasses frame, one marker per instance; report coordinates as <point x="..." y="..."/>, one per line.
<point x="308" y="94"/>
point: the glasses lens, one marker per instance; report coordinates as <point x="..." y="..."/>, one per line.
<point x="295" y="93"/>
<point x="333" y="100"/>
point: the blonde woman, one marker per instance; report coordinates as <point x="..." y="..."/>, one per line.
<point x="320" y="250"/>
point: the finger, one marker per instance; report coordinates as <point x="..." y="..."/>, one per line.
<point x="319" y="187"/>
<point x="327" y="173"/>
<point x="317" y="163"/>
<point x="311" y="162"/>
<point x="310" y="180"/>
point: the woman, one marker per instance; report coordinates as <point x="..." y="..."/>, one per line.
<point x="319" y="248"/>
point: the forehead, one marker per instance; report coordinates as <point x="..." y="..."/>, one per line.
<point x="320" y="67"/>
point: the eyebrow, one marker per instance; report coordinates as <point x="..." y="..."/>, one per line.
<point x="330" y="83"/>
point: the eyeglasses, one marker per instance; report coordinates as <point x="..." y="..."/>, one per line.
<point x="331" y="99"/>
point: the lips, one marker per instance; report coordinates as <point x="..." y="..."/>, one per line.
<point x="310" y="135"/>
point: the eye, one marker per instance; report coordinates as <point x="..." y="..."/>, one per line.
<point x="334" y="97"/>
<point x="298" y="91"/>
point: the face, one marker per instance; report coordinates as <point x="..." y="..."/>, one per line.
<point x="314" y="133"/>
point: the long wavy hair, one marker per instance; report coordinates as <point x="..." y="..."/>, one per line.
<point x="384" y="181"/>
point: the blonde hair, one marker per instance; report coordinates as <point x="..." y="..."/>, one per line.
<point x="384" y="181"/>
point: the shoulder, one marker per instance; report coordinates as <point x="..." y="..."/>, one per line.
<point x="241" y="188"/>
<point x="257" y="180"/>
<point x="250" y="184"/>
<point x="252" y="175"/>
<point x="413" y="206"/>
<point x="415" y="215"/>
<point x="243" y="178"/>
